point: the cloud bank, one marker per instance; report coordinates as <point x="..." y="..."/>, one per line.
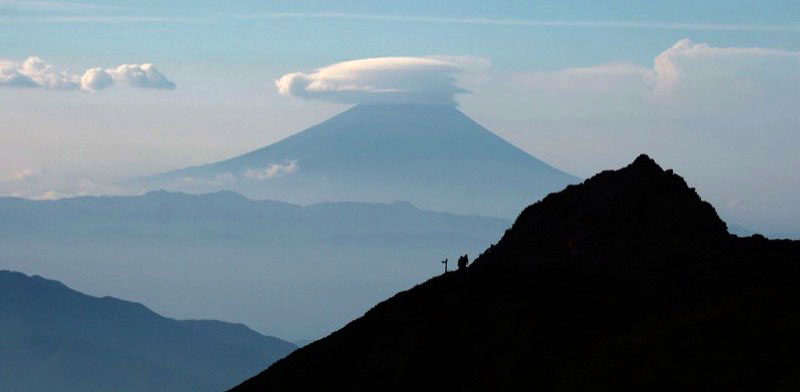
<point x="383" y="79"/>
<point x="725" y="116"/>
<point x="34" y="72"/>
<point x="686" y="76"/>
<point x="682" y="61"/>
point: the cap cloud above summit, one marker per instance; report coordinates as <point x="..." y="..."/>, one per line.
<point x="430" y="80"/>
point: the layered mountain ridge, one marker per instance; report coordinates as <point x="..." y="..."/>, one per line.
<point x="229" y="215"/>
<point x="628" y="281"/>
<point x="55" y="338"/>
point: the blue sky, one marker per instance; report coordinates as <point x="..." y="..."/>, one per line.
<point x="516" y="35"/>
<point x="574" y="83"/>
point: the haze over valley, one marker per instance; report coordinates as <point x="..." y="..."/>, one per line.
<point x="295" y="272"/>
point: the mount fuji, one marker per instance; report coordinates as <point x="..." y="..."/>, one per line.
<point x="433" y="156"/>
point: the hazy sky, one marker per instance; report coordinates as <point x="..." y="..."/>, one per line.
<point x="122" y="88"/>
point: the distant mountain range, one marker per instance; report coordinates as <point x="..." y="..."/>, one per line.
<point x="226" y="215"/>
<point x="53" y="338"/>
<point x="430" y="155"/>
<point x="628" y="281"/>
<point x="296" y="272"/>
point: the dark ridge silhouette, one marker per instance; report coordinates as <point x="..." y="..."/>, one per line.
<point x="53" y="338"/>
<point x="429" y="155"/>
<point x="628" y="281"/>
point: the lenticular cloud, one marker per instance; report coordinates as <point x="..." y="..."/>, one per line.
<point x="381" y="79"/>
<point x="34" y="72"/>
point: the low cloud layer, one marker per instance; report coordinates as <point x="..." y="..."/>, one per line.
<point x="228" y="179"/>
<point x="272" y="171"/>
<point x="35" y="73"/>
<point x="382" y="79"/>
<point x="42" y="184"/>
<point x="26" y="174"/>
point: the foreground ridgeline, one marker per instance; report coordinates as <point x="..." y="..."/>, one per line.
<point x="628" y="281"/>
<point x="53" y="338"/>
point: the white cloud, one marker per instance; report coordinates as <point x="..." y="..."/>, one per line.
<point x="272" y="171"/>
<point x="685" y="59"/>
<point x="686" y="68"/>
<point x="144" y="75"/>
<point x="46" y="185"/>
<point x="10" y="76"/>
<point x="34" y="72"/>
<point x="49" y="195"/>
<point x="383" y="79"/>
<point x="226" y="179"/>
<point x="96" y="79"/>
<point x="27" y="174"/>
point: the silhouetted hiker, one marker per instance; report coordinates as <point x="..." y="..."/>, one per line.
<point x="445" y="265"/>
<point x="462" y="262"/>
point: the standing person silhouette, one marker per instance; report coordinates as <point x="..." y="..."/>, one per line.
<point x="462" y="262"/>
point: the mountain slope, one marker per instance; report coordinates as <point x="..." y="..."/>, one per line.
<point x="430" y="155"/>
<point x="628" y="281"/>
<point x="296" y="272"/>
<point x="55" y="338"/>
